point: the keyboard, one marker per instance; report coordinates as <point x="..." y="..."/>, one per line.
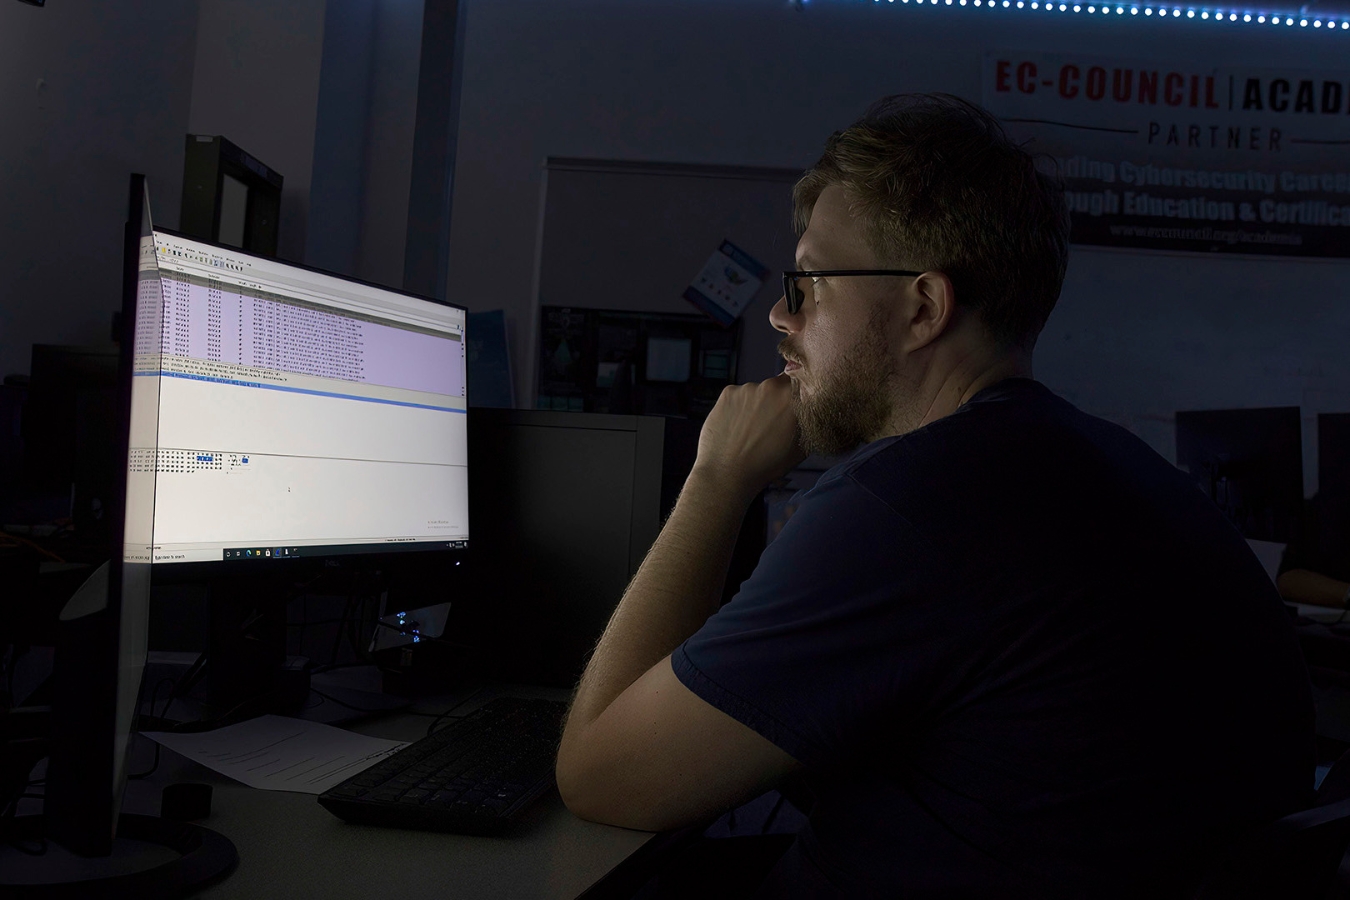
<point x="476" y="775"/>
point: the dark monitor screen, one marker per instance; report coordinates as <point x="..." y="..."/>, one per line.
<point x="65" y="380"/>
<point x="1333" y="454"/>
<point x="69" y="422"/>
<point x="565" y="507"/>
<point x="1250" y="463"/>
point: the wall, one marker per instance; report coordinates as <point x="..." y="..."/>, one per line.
<point x="397" y="39"/>
<point x="337" y="184"/>
<point x="89" y="92"/>
<point x="255" y="80"/>
<point x="739" y="82"/>
<point x="759" y="82"/>
<point x="325" y="92"/>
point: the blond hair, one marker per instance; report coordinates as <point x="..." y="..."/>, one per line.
<point x="939" y="185"/>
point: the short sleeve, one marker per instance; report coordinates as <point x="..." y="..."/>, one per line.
<point x="837" y="632"/>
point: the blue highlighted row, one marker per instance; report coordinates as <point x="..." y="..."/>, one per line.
<point x="293" y="390"/>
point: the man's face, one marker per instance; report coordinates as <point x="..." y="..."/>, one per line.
<point x="837" y="350"/>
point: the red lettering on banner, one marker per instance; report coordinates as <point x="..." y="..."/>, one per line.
<point x="1195" y="91"/>
<point x="1148" y="87"/>
<point x="1122" y="83"/>
<point x="1172" y="87"/>
<point x="1001" y="76"/>
<point x="1096" y="83"/>
<point x="1210" y="102"/>
<point x="1026" y="77"/>
<point x="1067" y="90"/>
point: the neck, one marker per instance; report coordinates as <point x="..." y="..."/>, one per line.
<point x="972" y="374"/>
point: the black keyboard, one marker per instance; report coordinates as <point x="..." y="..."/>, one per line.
<point x="474" y="776"/>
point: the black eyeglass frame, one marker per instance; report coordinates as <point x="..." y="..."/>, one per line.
<point x="794" y="296"/>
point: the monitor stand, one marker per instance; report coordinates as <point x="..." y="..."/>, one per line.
<point x="136" y="867"/>
<point x="247" y="673"/>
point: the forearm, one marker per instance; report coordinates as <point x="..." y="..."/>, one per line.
<point x="1305" y="586"/>
<point x="674" y="591"/>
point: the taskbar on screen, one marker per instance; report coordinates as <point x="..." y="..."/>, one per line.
<point x="248" y="554"/>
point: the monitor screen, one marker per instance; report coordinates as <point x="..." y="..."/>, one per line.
<point x="566" y="506"/>
<point x="1333" y="454"/>
<point x="1250" y="463"/>
<point x="300" y="413"/>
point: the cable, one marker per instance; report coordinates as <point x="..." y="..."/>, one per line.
<point x="154" y="695"/>
<point x="431" y="728"/>
<point x="31" y="545"/>
<point x="337" y="641"/>
<point x="409" y="712"/>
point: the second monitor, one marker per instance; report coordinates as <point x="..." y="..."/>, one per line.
<point x="1250" y="463"/>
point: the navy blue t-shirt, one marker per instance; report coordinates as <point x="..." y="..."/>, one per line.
<point x="1019" y="654"/>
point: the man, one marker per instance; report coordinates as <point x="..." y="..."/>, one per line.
<point x="1011" y="649"/>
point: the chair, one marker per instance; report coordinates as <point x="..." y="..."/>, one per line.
<point x="1294" y="858"/>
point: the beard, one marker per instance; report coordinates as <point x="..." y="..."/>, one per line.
<point x="851" y="402"/>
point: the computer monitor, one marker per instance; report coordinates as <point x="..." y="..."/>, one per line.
<point x="303" y="416"/>
<point x="69" y="420"/>
<point x="301" y="413"/>
<point x="101" y="648"/>
<point x="1250" y="463"/>
<point x="565" y="508"/>
<point x="99" y="661"/>
<point x="1333" y="454"/>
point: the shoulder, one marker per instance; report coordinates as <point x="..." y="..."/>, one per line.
<point x="1000" y="423"/>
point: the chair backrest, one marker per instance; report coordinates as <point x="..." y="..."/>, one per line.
<point x="1295" y="858"/>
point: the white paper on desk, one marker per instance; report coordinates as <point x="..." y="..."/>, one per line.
<point x="277" y="753"/>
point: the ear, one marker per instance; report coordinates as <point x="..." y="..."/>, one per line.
<point x="932" y="308"/>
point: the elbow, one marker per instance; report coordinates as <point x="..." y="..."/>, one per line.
<point x="579" y="793"/>
<point x="591" y="795"/>
<point x="571" y="788"/>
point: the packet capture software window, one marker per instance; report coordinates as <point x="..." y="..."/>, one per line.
<point x="299" y="413"/>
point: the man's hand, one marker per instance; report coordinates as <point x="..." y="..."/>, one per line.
<point x="639" y="748"/>
<point x="750" y="437"/>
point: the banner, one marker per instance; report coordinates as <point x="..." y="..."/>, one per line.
<point x="1178" y="157"/>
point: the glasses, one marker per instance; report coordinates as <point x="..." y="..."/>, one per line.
<point x="794" y="295"/>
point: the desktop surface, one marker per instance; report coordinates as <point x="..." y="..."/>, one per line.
<point x="290" y="846"/>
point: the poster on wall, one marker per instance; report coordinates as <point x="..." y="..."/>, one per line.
<point x="1168" y="155"/>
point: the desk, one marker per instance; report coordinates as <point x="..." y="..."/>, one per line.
<point x="289" y="846"/>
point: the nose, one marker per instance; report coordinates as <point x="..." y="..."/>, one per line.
<point x="781" y="319"/>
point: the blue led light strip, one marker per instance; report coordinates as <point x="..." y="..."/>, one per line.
<point x="1225" y="16"/>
